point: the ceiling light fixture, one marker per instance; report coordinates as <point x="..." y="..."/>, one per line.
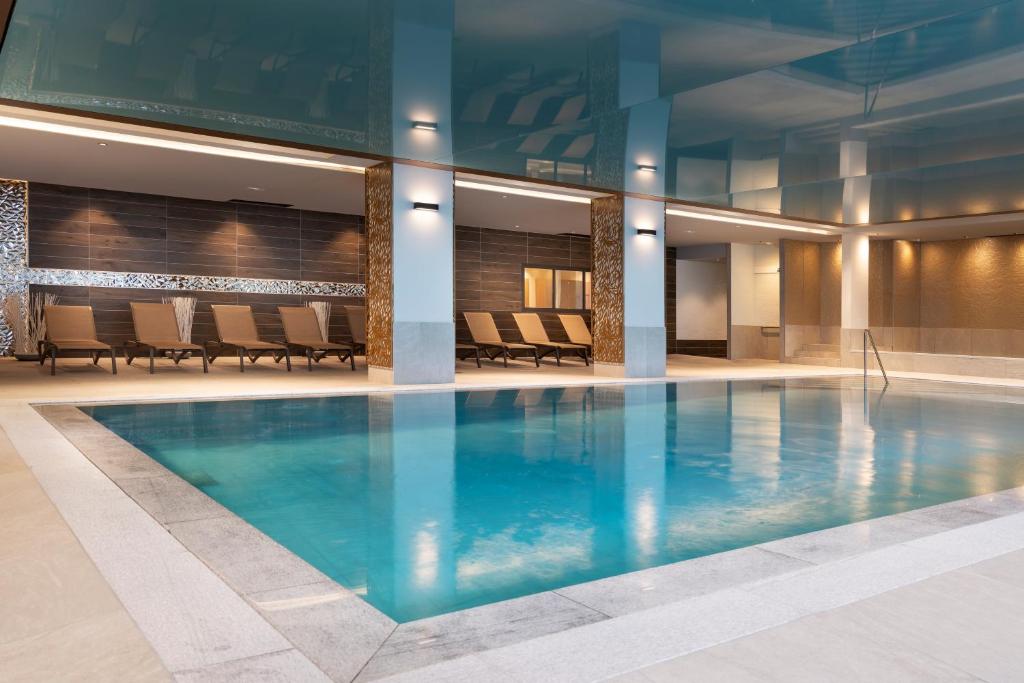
<point x="425" y="125"/>
<point x="176" y="145"/>
<point x="426" y="206"/>
<point x="521" y="191"/>
<point x="647" y="168"/>
<point x="746" y="221"/>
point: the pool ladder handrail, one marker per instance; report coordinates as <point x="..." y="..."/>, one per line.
<point x="870" y="337"/>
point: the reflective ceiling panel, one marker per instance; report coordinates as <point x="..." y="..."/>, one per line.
<point x="780" y="106"/>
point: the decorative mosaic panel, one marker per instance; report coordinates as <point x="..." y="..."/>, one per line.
<point x="13" y="250"/>
<point x="379" y="280"/>
<point x="607" y="215"/>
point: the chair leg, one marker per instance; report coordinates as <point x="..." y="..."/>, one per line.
<point x="53" y="361"/>
<point x="95" y="357"/>
<point x="352" y="359"/>
<point x="478" y="357"/>
<point x="152" y="360"/>
<point x="113" y="362"/>
<point x="558" y="357"/>
<point x="288" y="360"/>
<point x="241" y="360"/>
<point x="586" y="357"/>
<point x="504" y="356"/>
<point x="206" y="362"/>
<point x="309" y="359"/>
<point x="536" y="358"/>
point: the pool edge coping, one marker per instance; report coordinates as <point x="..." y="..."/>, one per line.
<point x="481" y="614"/>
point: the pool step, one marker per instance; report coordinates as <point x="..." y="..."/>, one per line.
<point x="817" y="354"/>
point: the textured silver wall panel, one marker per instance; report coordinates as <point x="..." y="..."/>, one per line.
<point x="13" y="249"/>
<point x="196" y="283"/>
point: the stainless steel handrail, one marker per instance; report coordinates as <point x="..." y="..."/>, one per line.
<point x="870" y="337"/>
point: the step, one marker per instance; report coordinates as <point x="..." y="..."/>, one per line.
<point x="822" y="347"/>
<point x="812" y="360"/>
<point x="812" y="353"/>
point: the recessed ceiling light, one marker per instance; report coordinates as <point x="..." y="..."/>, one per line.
<point x="102" y="144"/>
<point x="254" y="188"/>
<point x="745" y="221"/>
<point x="691" y="231"/>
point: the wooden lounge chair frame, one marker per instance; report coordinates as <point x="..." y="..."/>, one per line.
<point x="72" y="328"/>
<point x="532" y="329"/>
<point x="236" y="331"/>
<point x="302" y="335"/>
<point x="156" y="331"/>
<point x="464" y="351"/>
<point x="576" y="330"/>
<point x="487" y="338"/>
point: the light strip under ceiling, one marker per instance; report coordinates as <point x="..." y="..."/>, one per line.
<point x="177" y="145"/>
<point x="521" y="191"/>
<point x="747" y="221"/>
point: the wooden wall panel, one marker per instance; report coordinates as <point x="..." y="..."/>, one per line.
<point x="380" y="281"/>
<point x="88" y="229"/>
<point x="830" y="281"/>
<point x="608" y="327"/>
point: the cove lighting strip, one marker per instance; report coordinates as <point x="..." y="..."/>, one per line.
<point x="521" y="191"/>
<point x="746" y="221"/>
<point x="181" y="146"/>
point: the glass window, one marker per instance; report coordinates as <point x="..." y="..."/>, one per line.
<point x="537" y="288"/>
<point x="568" y="289"/>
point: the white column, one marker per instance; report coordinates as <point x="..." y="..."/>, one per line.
<point x="853" y="168"/>
<point x="644" y="289"/>
<point x="856" y="254"/>
<point x="423" y="341"/>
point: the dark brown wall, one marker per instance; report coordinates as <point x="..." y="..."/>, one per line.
<point x="489" y="274"/>
<point x="88" y="229"/>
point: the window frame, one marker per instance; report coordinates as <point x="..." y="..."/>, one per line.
<point x="554" y="288"/>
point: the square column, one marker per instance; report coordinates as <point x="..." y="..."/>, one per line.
<point x="410" y="328"/>
<point x="856" y="255"/>
<point x="629" y="287"/>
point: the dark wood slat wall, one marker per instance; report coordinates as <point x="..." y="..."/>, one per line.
<point x="89" y="229"/>
<point x="489" y="276"/>
<point x="670" y="301"/>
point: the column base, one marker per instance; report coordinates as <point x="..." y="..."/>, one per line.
<point x="645" y="355"/>
<point x="422" y="353"/>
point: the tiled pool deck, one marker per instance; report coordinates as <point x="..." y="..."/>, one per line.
<point x="217" y="599"/>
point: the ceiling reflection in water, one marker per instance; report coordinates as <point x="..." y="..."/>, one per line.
<point x="425" y="503"/>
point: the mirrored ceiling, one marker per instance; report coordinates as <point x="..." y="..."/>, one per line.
<point x="779" y="106"/>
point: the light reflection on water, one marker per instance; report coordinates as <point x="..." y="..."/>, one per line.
<point x="425" y="503"/>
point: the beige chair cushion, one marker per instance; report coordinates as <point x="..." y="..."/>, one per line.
<point x="70" y="323"/>
<point x="357" y="323"/>
<point x="235" y="323"/>
<point x="576" y="328"/>
<point x="482" y="327"/>
<point x="531" y="328"/>
<point x="300" y="325"/>
<point x="155" y="323"/>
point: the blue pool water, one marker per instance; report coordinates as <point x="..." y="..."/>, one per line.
<point x="424" y="503"/>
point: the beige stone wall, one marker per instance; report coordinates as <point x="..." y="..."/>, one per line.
<point x="963" y="297"/>
<point x="753" y="341"/>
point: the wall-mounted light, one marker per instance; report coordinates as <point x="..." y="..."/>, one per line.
<point x="647" y="168"/>
<point x="425" y="125"/>
<point x="647" y="231"/>
<point x="425" y="206"/>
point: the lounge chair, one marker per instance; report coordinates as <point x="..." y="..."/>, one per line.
<point x="576" y="329"/>
<point x="302" y="334"/>
<point x="357" y="326"/>
<point x="487" y="338"/>
<point x="236" y="331"/>
<point x="464" y="351"/>
<point x="534" y="333"/>
<point x="72" y="328"/>
<point x="156" y="332"/>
